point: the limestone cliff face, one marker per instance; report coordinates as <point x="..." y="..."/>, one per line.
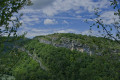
<point x="91" y="45"/>
<point x="67" y="43"/>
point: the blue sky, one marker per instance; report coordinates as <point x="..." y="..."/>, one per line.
<point x="63" y="16"/>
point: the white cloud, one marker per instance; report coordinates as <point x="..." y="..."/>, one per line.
<point x="54" y="7"/>
<point x="67" y="31"/>
<point x="108" y="17"/>
<point x="30" y="20"/>
<point x="32" y="32"/>
<point x="47" y="9"/>
<point x="64" y="5"/>
<point x="91" y="32"/>
<point x="65" y="22"/>
<point x="50" y="8"/>
<point x="38" y="4"/>
<point x="50" y="21"/>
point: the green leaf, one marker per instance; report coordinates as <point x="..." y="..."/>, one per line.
<point x="98" y="26"/>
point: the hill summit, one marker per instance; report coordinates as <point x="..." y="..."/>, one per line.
<point x="82" y="43"/>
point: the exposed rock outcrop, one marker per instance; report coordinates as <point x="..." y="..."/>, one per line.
<point x="67" y="43"/>
<point x="81" y="45"/>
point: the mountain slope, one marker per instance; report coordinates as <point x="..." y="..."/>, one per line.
<point x="32" y="60"/>
<point x="88" y="44"/>
<point x="65" y="64"/>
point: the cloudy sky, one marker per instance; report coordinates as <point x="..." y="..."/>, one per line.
<point x="63" y="16"/>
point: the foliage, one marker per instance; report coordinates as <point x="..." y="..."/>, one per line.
<point x="108" y="28"/>
<point x="64" y="64"/>
<point x="9" y="23"/>
<point x="7" y="10"/>
<point x="61" y="63"/>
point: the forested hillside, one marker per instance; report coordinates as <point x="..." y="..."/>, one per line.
<point x="82" y="43"/>
<point x="46" y="58"/>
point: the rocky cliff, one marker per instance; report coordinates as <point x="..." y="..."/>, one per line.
<point x="82" y="45"/>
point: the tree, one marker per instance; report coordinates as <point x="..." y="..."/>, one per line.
<point x="108" y="28"/>
<point x="8" y="25"/>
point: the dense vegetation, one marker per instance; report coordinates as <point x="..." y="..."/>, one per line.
<point x="38" y="61"/>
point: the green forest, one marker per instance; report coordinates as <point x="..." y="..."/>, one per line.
<point x="93" y="53"/>
<point x="29" y="59"/>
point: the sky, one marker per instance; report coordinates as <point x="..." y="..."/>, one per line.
<point x="64" y="16"/>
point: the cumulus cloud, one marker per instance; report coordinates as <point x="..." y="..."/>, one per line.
<point x="45" y="8"/>
<point x="108" y="17"/>
<point x="54" y="7"/>
<point x="30" y="20"/>
<point x="64" y="5"/>
<point x="50" y="21"/>
<point x="38" y="4"/>
<point x="50" y="11"/>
